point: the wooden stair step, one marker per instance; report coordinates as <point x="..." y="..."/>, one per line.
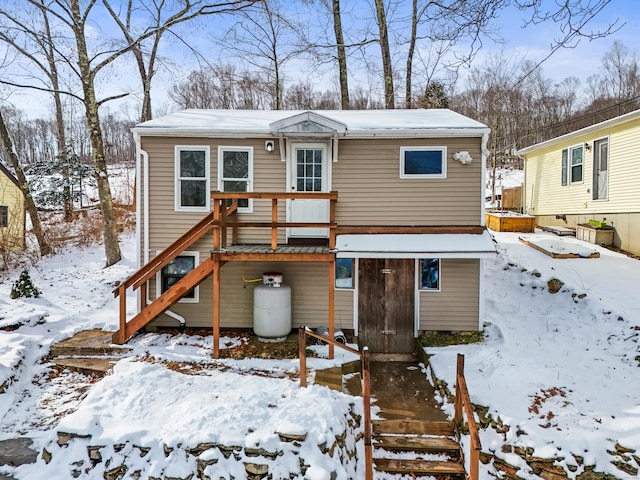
<point x="413" y="427"/>
<point x="428" y="467"/>
<point x="422" y="444"/>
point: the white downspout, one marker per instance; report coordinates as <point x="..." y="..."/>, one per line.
<point x="485" y="155"/>
<point x="144" y="156"/>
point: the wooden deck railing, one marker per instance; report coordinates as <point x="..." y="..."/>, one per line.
<point x="463" y="403"/>
<point x="303" y="332"/>
<point x="223" y="220"/>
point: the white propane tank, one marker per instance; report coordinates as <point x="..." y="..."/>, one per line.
<point x="272" y="311"/>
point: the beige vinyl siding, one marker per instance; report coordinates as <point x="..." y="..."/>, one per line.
<point x="455" y="306"/>
<point x="371" y="192"/>
<point x="544" y="194"/>
<point x="12" y="236"/>
<point x="166" y="224"/>
<point x="309" y="297"/>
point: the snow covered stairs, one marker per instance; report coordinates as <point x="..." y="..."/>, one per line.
<point x="416" y="449"/>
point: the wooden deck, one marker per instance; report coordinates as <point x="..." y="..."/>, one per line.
<point x="283" y="253"/>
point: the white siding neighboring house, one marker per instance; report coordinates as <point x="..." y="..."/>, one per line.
<point x="589" y="174"/>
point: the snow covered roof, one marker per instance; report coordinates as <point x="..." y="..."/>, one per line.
<point x="435" y="245"/>
<point x="347" y="123"/>
<point x="627" y="117"/>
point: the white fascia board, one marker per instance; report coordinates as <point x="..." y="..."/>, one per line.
<point x="347" y="254"/>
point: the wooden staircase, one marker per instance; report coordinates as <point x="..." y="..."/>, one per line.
<point x="430" y="447"/>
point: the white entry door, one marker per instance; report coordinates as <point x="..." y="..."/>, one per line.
<point x="600" y="169"/>
<point x="308" y="172"/>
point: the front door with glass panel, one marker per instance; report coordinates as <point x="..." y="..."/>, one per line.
<point x="308" y="167"/>
<point x="600" y="169"/>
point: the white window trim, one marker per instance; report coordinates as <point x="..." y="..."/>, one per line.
<point x="196" y="289"/>
<point x="430" y="149"/>
<point x="419" y="275"/>
<point x="177" y="179"/>
<point x="354" y="274"/>
<point x="570" y="165"/>
<point x="221" y="150"/>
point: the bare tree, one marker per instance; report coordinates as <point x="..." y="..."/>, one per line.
<point x="43" y="244"/>
<point x="265" y="40"/>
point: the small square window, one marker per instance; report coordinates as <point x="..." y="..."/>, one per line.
<point x="423" y="162"/>
<point x="344" y="273"/>
<point x="430" y="274"/>
<point x="174" y="271"/>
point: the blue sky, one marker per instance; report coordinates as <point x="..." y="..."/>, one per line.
<point x="532" y="42"/>
<point x="582" y="60"/>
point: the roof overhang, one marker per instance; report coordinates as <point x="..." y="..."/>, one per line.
<point x="308" y="124"/>
<point x="431" y="245"/>
<point x="627" y="117"/>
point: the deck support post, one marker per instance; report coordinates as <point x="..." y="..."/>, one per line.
<point x="122" y="332"/>
<point x="274" y="224"/>
<point x="366" y="400"/>
<point x="457" y="417"/>
<point x="302" y="353"/>
<point x="216" y="308"/>
<point x="332" y="309"/>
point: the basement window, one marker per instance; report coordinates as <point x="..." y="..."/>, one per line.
<point x="177" y="269"/>
<point x="344" y="273"/>
<point x="423" y="162"/>
<point x="430" y="274"/>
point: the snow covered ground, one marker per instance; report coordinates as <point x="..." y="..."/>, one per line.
<point x="559" y="369"/>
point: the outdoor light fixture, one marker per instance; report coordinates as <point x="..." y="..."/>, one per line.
<point x="269" y="145"/>
<point x="587" y="146"/>
<point x="463" y="157"/>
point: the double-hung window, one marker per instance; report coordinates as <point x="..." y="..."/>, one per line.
<point x="423" y="162"/>
<point x="175" y="270"/>
<point x="4" y="216"/>
<point x="235" y="173"/>
<point x="572" y="164"/>
<point x="192" y="184"/>
<point x="430" y="274"/>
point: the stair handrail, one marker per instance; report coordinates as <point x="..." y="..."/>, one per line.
<point x="154" y="265"/>
<point x="463" y="403"/>
<point x="303" y="332"/>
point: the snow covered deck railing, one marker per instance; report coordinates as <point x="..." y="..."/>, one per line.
<point x="223" y="220"/>
<point x="463" y="402"/>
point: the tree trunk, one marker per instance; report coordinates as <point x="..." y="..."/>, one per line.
<point x="342" y="56"/>
<point x="109" y="227"/>
<point x="412" y="47"/>
<point x="387" y="70"/>
<point x="45" y="248"/>
<point x="67" y="205"/>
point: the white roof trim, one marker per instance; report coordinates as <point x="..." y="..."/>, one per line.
<point x="435" y="245"/>
<point x="307" y="122"/>
<point x="627" y="117"/>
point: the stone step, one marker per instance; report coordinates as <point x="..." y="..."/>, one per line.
<point x="424" y="467"/>
<point x="416" y="444"/>
<point x="87" y="343"/>
<point x="87" y="365"/>
<point x="17" y="451"/>
<point x="413" y="427"/>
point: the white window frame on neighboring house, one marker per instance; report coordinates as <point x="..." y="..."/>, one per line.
<point x="196" y="289"/>
<point x="568" y="166"/>
<point x="248" y="204"/>
<point x="4" y="216"/>
<point x="406" y="152"/>
<point x="180" y="179"/>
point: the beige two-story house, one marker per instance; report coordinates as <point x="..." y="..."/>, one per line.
<point x="372" y="220"/>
